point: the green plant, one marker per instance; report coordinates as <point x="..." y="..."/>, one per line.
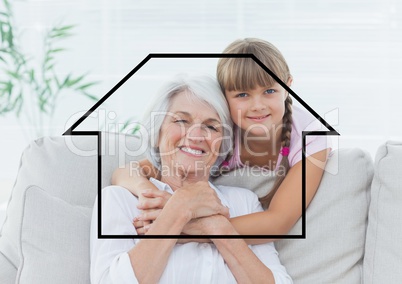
<point x="29" y="88"/>
<point x="127" y="127"/>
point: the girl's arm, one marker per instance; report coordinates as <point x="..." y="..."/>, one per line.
<point x="134" y="176"/>
<point x="286" y="205"/>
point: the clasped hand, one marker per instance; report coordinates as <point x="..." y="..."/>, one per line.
<point x="199" y="198"/>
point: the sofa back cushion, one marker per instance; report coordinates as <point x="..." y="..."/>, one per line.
<point x="333" y="250"/>
<point x="383" y="259"/>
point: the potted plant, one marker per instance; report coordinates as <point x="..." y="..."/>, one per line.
<point x="31" y="89"/>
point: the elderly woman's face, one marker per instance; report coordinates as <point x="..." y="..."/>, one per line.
<point x="190" y="136"/>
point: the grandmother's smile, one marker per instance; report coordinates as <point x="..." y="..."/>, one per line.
<point x="193" y="151"/>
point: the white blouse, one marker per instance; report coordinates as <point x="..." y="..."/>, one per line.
<point x="188" y="263"/>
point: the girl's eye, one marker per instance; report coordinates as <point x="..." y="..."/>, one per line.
<point x="241" y="95"/>
<point x="270" y="91"/>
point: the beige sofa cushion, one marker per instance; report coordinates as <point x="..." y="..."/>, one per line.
<point x="336" y="221"/>
<point x="54" y="240"/>
<point x="383" y="259"/>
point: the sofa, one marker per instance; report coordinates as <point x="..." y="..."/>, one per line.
<point x="353" y="224"/>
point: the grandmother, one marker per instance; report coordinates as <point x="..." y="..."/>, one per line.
<point x="191" y="134"/>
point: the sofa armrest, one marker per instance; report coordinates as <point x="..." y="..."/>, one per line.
<point x="59" y="174"/>
<point x="383" y="257"/>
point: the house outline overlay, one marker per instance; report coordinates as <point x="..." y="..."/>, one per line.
<point x="72" y="132"/>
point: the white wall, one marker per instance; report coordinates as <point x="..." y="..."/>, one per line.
<point x="344" y="55"/>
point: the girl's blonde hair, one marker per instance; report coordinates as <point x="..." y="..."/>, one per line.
<point x="243" y="74"/>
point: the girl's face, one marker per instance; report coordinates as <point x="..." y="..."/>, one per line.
<point x="190" y="136"/>
<point x="258" y="112"/>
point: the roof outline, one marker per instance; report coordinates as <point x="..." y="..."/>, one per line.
<point x="71" y="132"/>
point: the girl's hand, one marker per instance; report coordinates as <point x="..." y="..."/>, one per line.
<point x="152" y="199"/>
<point x="212" y="225"/>
<point x="140" y="226"/>
<point x="200" y="226"/>
<point x="200" y="200"/>
<point x="185" y="241"/>
<point x="151" y="202"/>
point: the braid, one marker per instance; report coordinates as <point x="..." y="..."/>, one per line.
<point x="285" y="142"/>
<point x="287" y="122"/>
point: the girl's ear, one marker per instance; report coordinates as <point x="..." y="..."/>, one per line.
<point x="290" y="81"/>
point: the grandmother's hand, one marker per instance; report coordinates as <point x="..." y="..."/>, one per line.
<point x="200" y="200"/>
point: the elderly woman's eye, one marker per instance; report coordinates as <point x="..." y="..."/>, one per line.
<point x="212" y="127"/>
<point x="180" y="121"/>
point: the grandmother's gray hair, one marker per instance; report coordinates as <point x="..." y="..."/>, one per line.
<point x="204" y="89"/>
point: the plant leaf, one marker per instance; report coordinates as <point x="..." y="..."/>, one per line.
<point x="62" y="31"/>
<point x="49" y="67"/>
<point x="56" y="50"/>
<point x="57" y="81"/>
<point x="65" y="81"/>
<point x="48" y="59"/>
<point x="13" y="74"/>
<point x="42" y="104"/>
<point x="9" y="88"/>
<point x="64" y="28"/>
<point x="86" y="86"/>
<point x="31" y="75"/>
<point x="19" y="102"/>
<point x="72" y="82"/>
<point x="8" y="6"/>
<point x="92" y="97"/>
